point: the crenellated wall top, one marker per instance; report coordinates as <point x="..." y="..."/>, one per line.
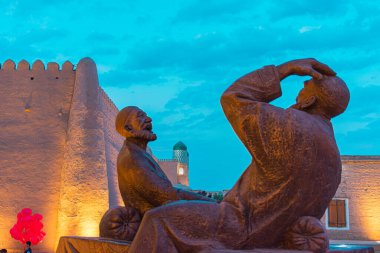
<point x="37" y="66"/>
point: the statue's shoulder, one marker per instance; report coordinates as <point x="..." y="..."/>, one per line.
<point x="308" y="123"/>
<point x="129" y="154"/>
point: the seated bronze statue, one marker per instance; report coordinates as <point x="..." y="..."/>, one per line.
<point x="142" y="183"/>
<point x="294" y="173"/>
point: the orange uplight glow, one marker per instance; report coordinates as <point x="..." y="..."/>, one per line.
<point x="369" y="207"/>
<point x="89" y="227"/>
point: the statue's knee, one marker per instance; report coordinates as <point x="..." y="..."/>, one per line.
<point x="152" y="213"/>
<point x="120" y="223"/>
<point x="307" y="233"/>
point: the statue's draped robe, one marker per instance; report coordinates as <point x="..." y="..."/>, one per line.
<point x="295" y="171"/>
<point x="143" y="185"/>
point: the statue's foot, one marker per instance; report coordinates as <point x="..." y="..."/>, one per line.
<point x="307" y="233"/>
<point x="120" y="223"/>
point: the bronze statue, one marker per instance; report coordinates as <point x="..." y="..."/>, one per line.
<point x="295" y="169"/>
<point x="142" y="183"/>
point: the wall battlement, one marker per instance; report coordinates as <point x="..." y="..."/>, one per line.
<point x="37" y="66"/>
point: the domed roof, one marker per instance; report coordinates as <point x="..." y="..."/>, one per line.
<point x="179" y="146"/>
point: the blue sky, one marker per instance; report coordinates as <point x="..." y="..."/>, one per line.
<point x="175" y="58"/>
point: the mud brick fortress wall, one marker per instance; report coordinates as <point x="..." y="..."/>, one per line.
<point x="58" y="149"/>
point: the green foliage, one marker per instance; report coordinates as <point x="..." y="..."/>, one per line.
<point x="218" y="197"/>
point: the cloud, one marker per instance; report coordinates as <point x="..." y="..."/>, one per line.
<point x="157" y="53"/>
<point x="104" y="51"/>
<point x="251" y="42"/>
<point x="364" y="141"/>
<point x="11" y="8"/>
<point x="121" y="76"/>
<point x="305" y="29"/>
<point x="103" y="68"/>
<point x="214" y="10"/>
<point x="151" y="97"/>
<point x="279" y="10"/>
<point x="31" y="45"/>
<point x="100" y="37"/>
<point x="357" y="130"/>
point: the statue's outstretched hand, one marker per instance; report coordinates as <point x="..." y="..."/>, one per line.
<point x="305" y="67"/>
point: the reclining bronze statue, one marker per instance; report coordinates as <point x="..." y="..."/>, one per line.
<point x="278" y="200"/>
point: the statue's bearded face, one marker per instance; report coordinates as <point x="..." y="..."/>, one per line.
<point x="140" y="126"/>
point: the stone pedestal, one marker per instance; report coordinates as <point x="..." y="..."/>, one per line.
<point x="76" y="244"/>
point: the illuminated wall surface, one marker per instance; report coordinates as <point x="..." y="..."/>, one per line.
<point x="58" y="149"/>
<point x="361" y="186"/>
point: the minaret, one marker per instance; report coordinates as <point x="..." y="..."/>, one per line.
<point x="181" y="155"/>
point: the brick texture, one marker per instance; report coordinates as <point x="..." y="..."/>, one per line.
<point x="361" y="186"/>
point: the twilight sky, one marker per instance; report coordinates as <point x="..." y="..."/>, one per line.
<point x="175" y="58"/>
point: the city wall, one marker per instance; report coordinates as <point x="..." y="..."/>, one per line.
<point x="60" y="121"/>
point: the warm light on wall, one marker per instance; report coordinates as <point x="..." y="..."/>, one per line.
<point x="182" y="174"/>
<point x="89" y="227"/>
<point x="369" y="209"/>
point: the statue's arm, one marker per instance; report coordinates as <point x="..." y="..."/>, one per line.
<point x="158" y="191"/>
<point x="304" y="67"/>
<point x="154" y="189"/>
<point x="262" y="85"/>
<point x="186" y="195"/>
<point x="245" y="104"/>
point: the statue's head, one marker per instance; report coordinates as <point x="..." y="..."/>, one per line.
<point x="132" y="122"/>
<point x="328" y="96"/>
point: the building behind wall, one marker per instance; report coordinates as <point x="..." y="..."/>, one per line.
<point x="177" y="168"/>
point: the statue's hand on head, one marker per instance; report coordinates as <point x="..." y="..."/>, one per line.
<point x="305" y="67"/>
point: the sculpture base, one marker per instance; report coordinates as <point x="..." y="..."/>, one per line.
<point x="77" y="244"/>
<point x="361" y="250"/>
<point x="255" y="251"/>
